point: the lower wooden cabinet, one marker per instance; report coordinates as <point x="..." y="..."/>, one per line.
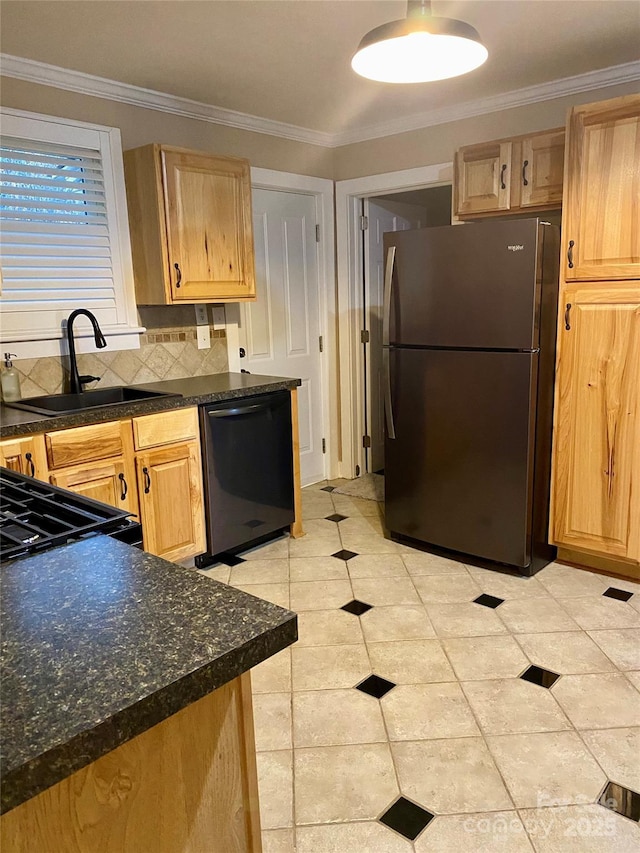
<point x="187" y="785"/>
<point x="149" y="465"/>
<point x="108" y="481"/>
<point x="25" y="455"/>
<point x="596" y="482"/>
<point x="171" y="504"/>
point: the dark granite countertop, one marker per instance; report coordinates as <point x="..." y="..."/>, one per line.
<point x="102" y="641"/>
<point x="214" y="388"/>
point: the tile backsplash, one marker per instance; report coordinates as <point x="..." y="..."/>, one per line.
<point x="168" y="350"/>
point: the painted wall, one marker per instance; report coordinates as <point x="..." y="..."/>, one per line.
<point x="139" y="126"/>
<point x="438" y="144"/>
<point x="424" y="147"/>
<point x="169" y="348"/>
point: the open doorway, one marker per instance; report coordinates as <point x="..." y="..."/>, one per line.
<point x="400" y="211"/>
<point x="349" y="195"/>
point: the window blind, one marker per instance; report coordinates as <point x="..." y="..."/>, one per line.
<point x="61" y="229"/>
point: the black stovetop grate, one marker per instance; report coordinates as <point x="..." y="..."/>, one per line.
<point x="35" y="516"/>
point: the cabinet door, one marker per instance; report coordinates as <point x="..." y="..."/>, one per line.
<point x="596" y="490"/>
<point x="209" y="229"/>
<point x="482" y="178"/>
<point x="170" y="489"/>
<point x="108" y="482"/>
<point x="601" y="228"/>
<point x="541" y="170"/>
<point x="25" y="455"/>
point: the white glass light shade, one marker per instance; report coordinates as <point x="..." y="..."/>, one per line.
<point x="419" y="51"/>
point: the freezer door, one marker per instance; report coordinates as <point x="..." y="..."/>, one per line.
<point x="475" y="285"/>
<point x="459" y="473"/>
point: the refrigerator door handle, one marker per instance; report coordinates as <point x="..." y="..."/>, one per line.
<point x="388" y="404"/>
<point x="388" y="283"/>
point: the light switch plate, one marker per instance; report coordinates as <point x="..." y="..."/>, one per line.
<point x="204" y="339"/>
<point x="201" y="315"/>
<point x="219" y="316"/>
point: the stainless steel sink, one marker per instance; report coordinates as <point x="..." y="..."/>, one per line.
<point x="66" y="404"/>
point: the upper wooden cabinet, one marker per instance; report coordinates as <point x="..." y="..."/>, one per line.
<point x="596" y="501"/>
<point x="191" y="228"/>
<point x="601" y="224"/>
<point x="509" y="175"/>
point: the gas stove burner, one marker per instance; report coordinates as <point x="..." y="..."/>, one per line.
<point x="35" y="516"/>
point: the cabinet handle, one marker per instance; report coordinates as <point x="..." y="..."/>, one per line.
<point x="147" y="480"/>
<point x="32" y="467"/>
<point x="567" y="324"/>
<point x="524" y="173"/>
<point x="179" y="273"/>
<point x="570" y="254"/>
<point x="124" y="487"/>
<point x="502" y="171"/>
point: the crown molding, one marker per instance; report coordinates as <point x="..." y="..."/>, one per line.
<point x="100" y="87"/>
<point x="627" y="73"/>
<point x="88" y="84"/>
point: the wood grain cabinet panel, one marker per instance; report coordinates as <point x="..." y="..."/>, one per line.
<point x="25" y="455"/>
<point x="171" y="502"/>
<point x="482" y="175"/>
<point x="166" y="427"/>
<point x="601" y="228"/>
<point x="111" y="482"/>
<point x="510" y="175"/>
<point x="597" y="438"/>
<point x="86" y="444"/>
<point x="541" y="170"/>
<point x="191" y="226"/>
<point x="187" y="785"/>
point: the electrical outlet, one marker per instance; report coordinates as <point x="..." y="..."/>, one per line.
<point x="219" y="316"/>
<point x="204" y="339"/>
<point x="201" y="315"/>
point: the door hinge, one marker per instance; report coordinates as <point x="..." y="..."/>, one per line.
<point x="364" y="223"/>
<point x="364" y="336"/>
<point x="366" y="441"/>
<point x="317" y="233"/>
<point x="324" y="445"/>
<point x="320" y="344"/>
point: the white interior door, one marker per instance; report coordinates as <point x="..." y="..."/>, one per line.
<point x="382" y="216"/>
<point x="280" y="332"/>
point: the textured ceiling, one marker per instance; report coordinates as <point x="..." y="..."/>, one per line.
<point x="289" y="60"/>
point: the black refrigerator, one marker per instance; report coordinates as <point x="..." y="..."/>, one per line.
<point x="469" y="334"/>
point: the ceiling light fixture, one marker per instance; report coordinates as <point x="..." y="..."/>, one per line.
<point x="419" y="49"/>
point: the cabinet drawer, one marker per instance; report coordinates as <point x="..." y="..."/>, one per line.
<point x="85" y="444"/>
<point x="165" y="428"/>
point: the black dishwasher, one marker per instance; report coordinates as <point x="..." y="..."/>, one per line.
<point x="247" y="452"/>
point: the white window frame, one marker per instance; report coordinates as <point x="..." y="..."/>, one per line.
<point x="125" y="334"/>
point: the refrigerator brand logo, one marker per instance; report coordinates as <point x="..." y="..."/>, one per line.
<point x="516" y="248"/>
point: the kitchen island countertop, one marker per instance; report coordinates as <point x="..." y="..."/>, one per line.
<point x="102" y="641"/>
<point x="214" y="388"/>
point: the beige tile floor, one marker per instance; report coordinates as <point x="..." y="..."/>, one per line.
<point x="503" y="764"/>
